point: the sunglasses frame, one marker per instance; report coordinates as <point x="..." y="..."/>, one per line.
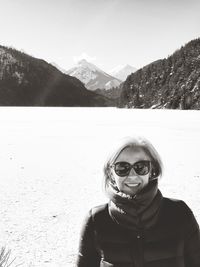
<point x="132" y="166"/>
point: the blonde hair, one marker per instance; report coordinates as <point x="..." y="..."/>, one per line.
<point x="135" y="142"/>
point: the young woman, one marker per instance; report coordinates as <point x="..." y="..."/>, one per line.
<point x="138" y="227"/>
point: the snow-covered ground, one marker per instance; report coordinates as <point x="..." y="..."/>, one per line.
<point x="51" y="163"/>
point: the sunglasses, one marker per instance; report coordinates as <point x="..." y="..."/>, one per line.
<point x="123" y="168"/>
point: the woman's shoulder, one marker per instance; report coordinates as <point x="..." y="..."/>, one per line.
<point x="177" y="208"/>
<point x="174" y="202"/>
<point x="99" y="211"/>
<point x="90" y="217"/>
<point x="98" y="214"/>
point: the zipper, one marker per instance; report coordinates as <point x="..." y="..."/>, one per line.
<point x="138" y="239"/>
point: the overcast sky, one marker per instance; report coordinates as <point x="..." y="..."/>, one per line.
<point x="109" y="32"/>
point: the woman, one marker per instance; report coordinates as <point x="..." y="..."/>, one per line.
<point x="138" y="227"/>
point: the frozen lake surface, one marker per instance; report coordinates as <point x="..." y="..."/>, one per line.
<point x="51" y="171"/>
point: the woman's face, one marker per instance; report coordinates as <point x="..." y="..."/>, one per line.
<point x="132" y="183"/>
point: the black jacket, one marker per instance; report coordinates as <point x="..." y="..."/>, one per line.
<point x="173" y="242"/>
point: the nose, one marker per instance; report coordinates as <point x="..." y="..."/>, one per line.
<point x="133" y="175"/>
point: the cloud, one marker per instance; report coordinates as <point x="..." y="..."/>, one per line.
<point x="84" y="56"/>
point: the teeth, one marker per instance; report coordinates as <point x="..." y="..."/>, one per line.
<point x="132" y="184"/>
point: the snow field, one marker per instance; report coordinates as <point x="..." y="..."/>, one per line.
<point x="51" y="171"/>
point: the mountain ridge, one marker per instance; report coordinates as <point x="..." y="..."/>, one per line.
<point x="92" y="76"/>
<point x="29" y="81"/>
<point x="122" y="71"/>
<point x="172" y="83"/>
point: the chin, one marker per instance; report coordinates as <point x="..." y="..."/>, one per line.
<point x="131" y="193"/>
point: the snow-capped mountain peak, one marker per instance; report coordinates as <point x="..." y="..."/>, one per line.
<point x="92" y="76"/>
<point x="122" y="71"/>
<point x="83" y="63"/>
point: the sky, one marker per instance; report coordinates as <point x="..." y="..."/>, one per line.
<point x="107" y="32"/>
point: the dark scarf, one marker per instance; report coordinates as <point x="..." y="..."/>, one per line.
<point x="138" y="212"/>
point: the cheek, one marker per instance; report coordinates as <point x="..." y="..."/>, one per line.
<point x="118" y="180"/>
<point x="145" y="179"/>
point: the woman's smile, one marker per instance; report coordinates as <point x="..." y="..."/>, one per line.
<point x="132" y="184"/>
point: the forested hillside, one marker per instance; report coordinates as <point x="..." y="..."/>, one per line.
<point x="173" y="82"/>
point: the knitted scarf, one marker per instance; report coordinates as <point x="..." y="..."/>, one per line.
<point x="138" y="212"/>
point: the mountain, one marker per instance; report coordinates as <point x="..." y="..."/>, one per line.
<point x="93" y="77"/>
<point x="58" y="67"/>
<point x="121" y="72"/>
<point x="112" y="93"/>
<point x="28" y="81"/>
<point x="172" y="82"/>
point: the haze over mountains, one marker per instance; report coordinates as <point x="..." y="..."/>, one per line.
<point x="122" y="71"/>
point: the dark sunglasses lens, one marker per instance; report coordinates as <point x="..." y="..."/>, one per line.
<point x="122" y="168"/>
<point x="142" y="167"/>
